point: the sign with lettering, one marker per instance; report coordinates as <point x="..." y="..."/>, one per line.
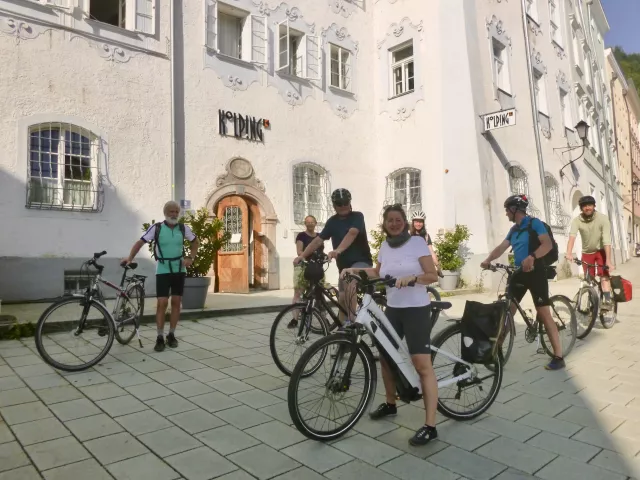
<point x="496" y="120"/>
<point x="244" y="126"/>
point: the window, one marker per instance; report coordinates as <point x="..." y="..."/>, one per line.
<point x="532" y="9"/>
<point x="138" y="15"/>
<point x="575" y="44"/>
<point x="555" y="21"/>
<point x="518" y="181"/>
<point x="565" y="107"/>
<point x="541" y="92"/>
<point x="299" y="54"/>
<point x="404" y="187"/>
<point x="340" y="68"/>
<point x="310" y="193"/>
<point x="236" y="33"/>
<point x="232" y="220"/>
<point x="587" y="68"/>
<point x="501" y="66"/>
<point x="63" y="168"/>
<point x="77" y="281"/>
<point x="557" y="218"/>
<point x="402" y="70"/>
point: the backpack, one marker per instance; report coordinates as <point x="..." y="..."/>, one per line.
<point x="156" y="244"/>
<point x="534" y="242"/>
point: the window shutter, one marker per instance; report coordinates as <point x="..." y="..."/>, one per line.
<point x="211" y="27"/>
<point x="145" y="18"/>
<point x="313" y="57"/>
<point x="283" y="44"/>
<point x="258" y="39"/>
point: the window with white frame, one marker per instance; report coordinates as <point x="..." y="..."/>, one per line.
<point x="402" y="73"/>
<point x="311" y="192"/>
<point x="557" y="218"/>
<point x="518" y="181"/>
<point x="340" y="67"/>
<point x="63" y="170"/>
<point x="236" y="33"/>
<point x="555" y="21"/>
<point x="587" y="67"/>
<point x="575" y="45"/>
<point x="501" y="66"/>
<point x="532" y="9"/>
<point x="404" y="187"/>
<point x="565" y="107"/>
<point x="136" y="15"/>
<point x="299" y="54"/>
<point x="541" y="92"/>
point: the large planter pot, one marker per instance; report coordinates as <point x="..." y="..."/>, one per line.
<point x="449" y="281"/>
<point x="195" y="292"/>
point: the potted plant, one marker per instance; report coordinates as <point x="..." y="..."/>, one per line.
<point x="212" y="238"/>
<point x="449" y="249"/>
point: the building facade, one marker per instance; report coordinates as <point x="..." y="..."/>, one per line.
<point x="257" y="110"/>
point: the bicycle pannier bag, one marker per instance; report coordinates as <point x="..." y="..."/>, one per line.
<point x="313" y="272"/>
<point x="622" y="289"/>
<point x="480" y="323"/>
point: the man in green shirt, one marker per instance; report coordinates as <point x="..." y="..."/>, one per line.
<point x="595" y="233"/>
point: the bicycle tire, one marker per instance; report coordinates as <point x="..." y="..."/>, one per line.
<point x="435" y="293"/>
<point x="85" y="308"/>
<point x="371" y="379"/>
<point x="511" y="333"/>
<point x="274" y="327"/>
<point x="136" y="320"/>
<point x="497" y="369"/>
<point x="573" y="326"/>
<point x="593" y="311"/>
<point x="609" y="324"/>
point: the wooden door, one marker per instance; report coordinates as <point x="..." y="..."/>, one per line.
<point x="232" y="268"/>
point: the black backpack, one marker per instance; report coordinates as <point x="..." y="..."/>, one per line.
<point x="156" y="244"/>
<point x="534" y="242"/>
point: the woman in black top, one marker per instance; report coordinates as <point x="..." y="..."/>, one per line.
<point x="418" y="228"/>
<point x="303" y="239"/>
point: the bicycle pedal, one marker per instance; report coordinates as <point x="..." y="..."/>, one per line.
<point x="541" y="351"/>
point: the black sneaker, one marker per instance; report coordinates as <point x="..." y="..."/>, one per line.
<point x="293" y="323"/>
<point x="423" y="436"/>
<point x="159" y="344"/>
<point x="556" y="363"/>
<point x="171" y="340"/>
<point x="384" y="410"/>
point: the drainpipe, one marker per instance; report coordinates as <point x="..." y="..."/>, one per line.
<point x="633" y="199"/>
<point x="534" y="109"/>
<point x="172" y="56"/>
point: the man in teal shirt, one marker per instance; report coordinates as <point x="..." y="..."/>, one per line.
<point x="171" y="268"/>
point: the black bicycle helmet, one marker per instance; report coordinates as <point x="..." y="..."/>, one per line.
<point x="586" y="200"/>
<point x="519" y="202"/>
<point x="341" y="196"/>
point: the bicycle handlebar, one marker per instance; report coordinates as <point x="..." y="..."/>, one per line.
<point x="364" y="281"/>
<point x="577" y="261"/>
<point x="500" y="266"/>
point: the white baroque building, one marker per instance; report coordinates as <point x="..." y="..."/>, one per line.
<point x="257" y="110"/>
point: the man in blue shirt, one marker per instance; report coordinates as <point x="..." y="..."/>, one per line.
<point x="533" y="276"/>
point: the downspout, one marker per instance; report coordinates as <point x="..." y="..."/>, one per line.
<point x="633" y="199"/>
<point x="534" y="109"/>
<point x="172" y="57"/>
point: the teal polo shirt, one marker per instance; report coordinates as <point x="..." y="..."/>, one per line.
<point x="171" y="243"/>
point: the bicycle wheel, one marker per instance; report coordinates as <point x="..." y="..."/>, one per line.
<point x="128" y="312"/>
<point x="74" y="334"/>
<point x="507" y="338"/>
<point x="481" y="389"/>
<point x="433" y="294"/>
<point x="586" y="310"/>
<point x="608" y="317"/>
<point x="564" y="317"/>
<point x="288" y="340"/>
<point x="313" y="400"/>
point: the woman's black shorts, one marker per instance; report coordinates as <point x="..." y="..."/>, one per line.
<point x="415" y="324"/>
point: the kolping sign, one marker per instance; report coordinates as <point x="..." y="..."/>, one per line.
<point x="496" y="120"/>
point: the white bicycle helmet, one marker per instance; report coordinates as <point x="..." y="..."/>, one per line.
<point x="419" y="215"/>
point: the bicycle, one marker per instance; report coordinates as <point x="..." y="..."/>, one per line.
<point x="343" y="376"/>
<point x="535" y="328"/>
<point x="588" y="302"/>
<point x="66" y="339"/>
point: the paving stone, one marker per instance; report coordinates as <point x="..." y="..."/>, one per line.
<point x="59" y="394"/>
<point x="279" y="411"/>
<point x="34" y="370"/>
<point x="201" y="464"/>
<point x="276" y="434"/>
<point x="144" y="466"/>
<point x="302" y="473"/>
<point x="46" y="381"/>
<point x="318" y="456"/>
<point x="186" y="365"/>
<point x="86" y="379"/>
<point x="115" y="448"/>
<point x="229" y="386"/>
<point x="564" y="446"/>
<point x="196" y="421"/>
<point x="373" y="428"/>
<point x="103" y="391"/>
<point x="190" y="388"/>
<point x="22" y="473"/>
<point x="16" y="396"/>
<point x="263" y="462"/>
<point x="171" y="405"/>
<point x="227" y="439"/>
<point x="256" y="398"/>
<point x="367" y="449"/>
<point x="143" y="422"/>
<point x="617" y="463"/>
<point x="26" y="412"/>
<point x="206" y="375"/>
<point x="214" y="401"/>
<point x="594" y="437"/>
<point x="513" y="474"/>
<point x="40" y="431"/>
<point x="506" y="411"/>
<point x="5" y="371"/>
<point x="96" y="426"/>
<point x="399" y="439"/>
<point x="266" y="382"/>
<point x="243" y="417"/>
<point x="74" y="409"/>
<point x="147" y="391"/>
<point x="87" y="469"/>
<point x="241" y="372"/>
<point x="568" y="469"/>
<point x="198" y="354"/>
<point x="357" y="470"/>
<point x="10" y="382"/>
<point x="408" y="467"/>
<point x="5" y="433"/>
<point x="23" y="360"/>
<point x="517" y="455"/>
<point x="543" y="406"/>
<point x="522" y="433"/>
<point x="168" y="376"/>
<point x="588" y="418"/>
<point x="129" y="379"/>
<point x="219" y="362"/>
<point x="629" y="429"/>
<point x="12" y="456"/>
<point x="149" y="366"/>
<point x="552" y="425"/>
<point x="465" y="463"/>
<point x="119" y="406"/>
<point x="56" y="453"/>
<point x="169" y="441"/>
<point x="464" y="436"/>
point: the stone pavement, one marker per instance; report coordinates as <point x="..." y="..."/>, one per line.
<point x="216" y="408"/>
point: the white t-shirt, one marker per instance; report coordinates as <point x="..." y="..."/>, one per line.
<point x="401" y="262"/>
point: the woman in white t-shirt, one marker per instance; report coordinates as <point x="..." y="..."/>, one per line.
<point x="408" y="259"/>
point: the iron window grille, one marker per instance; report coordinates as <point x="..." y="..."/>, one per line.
<point x="311" y="193"/>
<point x="519" y="185"/>
<point x="558" y="219"/>
<point x="404" y="187"/>
<point x="232" y="220"/>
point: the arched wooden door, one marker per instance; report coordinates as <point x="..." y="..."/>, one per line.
<point x="232" y="268"/>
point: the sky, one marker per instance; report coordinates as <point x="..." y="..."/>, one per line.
<point x="624" y="20"/>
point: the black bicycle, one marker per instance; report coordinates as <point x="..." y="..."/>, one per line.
<point x="561" y="310"/>
<point x="77" y="331"/>
<point x="589" y="302"/>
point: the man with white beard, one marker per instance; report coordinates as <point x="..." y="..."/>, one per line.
<point x="171" y="267"/>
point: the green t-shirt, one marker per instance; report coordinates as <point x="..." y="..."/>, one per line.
<point x="595" y="233"/>
<point x="171" y="243"/>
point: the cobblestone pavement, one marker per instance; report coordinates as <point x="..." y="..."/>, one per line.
<point x="215" y="408"/>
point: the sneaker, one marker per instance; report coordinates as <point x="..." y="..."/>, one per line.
<point x="423" y="436"/>
<point x="556" y="363"/>
<point x="293" y="323"/>
<point x="384" y="410"/>
<point x="171" y="340"/>
<point x="159" y="344"/>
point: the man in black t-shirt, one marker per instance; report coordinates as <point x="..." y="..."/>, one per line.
<point x="348" y="235"/>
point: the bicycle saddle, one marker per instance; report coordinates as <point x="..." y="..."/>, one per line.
<point x="440" y="305"/>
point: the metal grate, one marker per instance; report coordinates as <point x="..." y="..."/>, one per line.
<point x="64" y="169"/>
<point x="404" y="187"/>
<point x="77" y="281"/>
<point x="232" y="220"/>
<point x="558" y="219"/>
<point x="311" y="193"/>
<point x="519" y="185"/>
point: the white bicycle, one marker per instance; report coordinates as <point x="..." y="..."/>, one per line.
<point x="335" y="379"/>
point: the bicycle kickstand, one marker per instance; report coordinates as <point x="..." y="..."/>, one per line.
<point x="138" y="335"/>
<point x="539" y="350"/>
